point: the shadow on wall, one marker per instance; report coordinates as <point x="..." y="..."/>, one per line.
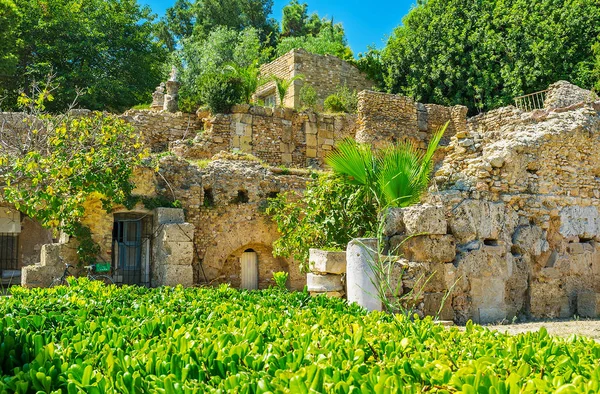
<point x="252" y="267"/>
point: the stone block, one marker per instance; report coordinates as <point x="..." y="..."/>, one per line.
<point x="327" y="262"/>
<point x="394" y="222"/>
<point x="324" y="283"/>
<point x="425" y="219"/>
<point x="176" y="232"/>
<point x="178" y="253"/>
<point x="473" y="219"/>
<point x="429" y="248"/>
<point x="588" y="304"/>
<point x="549" y="300"/>
<point x="286" y="158"/>
<point x="168" y="216"/>
<point x="580" y="221"/>
<point x="173" y="275"/>
<point x="311" y="152"/>
<point x="432" y="306"/>
<point x="311" y="140"/>
<point x="310" y="128"/>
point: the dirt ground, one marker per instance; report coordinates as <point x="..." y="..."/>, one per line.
<point x="563" y="328"/>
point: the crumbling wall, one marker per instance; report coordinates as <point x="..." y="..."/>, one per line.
<point x="225" y="201"/>
<point x="325" y="73"/>
<point x="278" y="136"/>
<point x="387" y="118"/>
<point x="159" y="129"/>
<point x="515" y="227"/>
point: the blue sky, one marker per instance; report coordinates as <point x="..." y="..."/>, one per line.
<point x="366" y="22"/>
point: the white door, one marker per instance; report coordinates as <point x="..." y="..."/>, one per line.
<point x="249" y="262"/>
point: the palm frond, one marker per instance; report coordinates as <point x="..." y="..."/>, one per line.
<point x="354" y="160"/>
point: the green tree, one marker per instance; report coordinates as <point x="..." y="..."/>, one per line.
<point x="222" y="48"/>
<point x="483" y="53"/>
<point x="106" y="47"/>
<point x="9" y="21"/>
<point x="199" y="18"/>
<point x="50" y="165"/>
<point x="394" y="177"/>
<point x="328" y="215"/>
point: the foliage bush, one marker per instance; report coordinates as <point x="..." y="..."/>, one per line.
<point x="96" y="339"/>
<point x="343" y="100"/>
<point x="333" y="103"/>
<point x="308" y="96"/>
<point x="221" y="91"/>
<point x="329" y="214"/>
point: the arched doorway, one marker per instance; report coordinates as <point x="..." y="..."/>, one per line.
<point x="249" y="265"/>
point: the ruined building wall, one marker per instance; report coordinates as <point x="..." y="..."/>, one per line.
<point x="515" y="227"/>
<point x="225" y="201"/>
<point x="325" y="73"/>
<point x="385" y="118"/>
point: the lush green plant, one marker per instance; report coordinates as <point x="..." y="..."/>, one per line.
<point x="483" y="53"/>
<point x="343" y="100"/>
<point x="105" y="47"/>
<point x="223" y="50"/>
<point x="333" y="103"/>
<point x="280" y="279"/>
<point x="395" y="176"/>
<point x="221" y="91"/>
<point x="97" y="339"/>
<point x="308" y="96"/>
<point x="10" y="17"/>
<point x="329" y="214"/>
<point x="283" y="85"/>
<point x="326" y="42"/>
<point x="51" y="165"/>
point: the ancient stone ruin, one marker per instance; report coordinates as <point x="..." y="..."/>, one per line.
<point x="510" y="227"/>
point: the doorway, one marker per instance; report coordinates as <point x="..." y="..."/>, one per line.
<point x="249" y="263"/>
<point x="131" y="248"/>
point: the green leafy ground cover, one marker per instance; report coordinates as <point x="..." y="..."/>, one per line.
<point x="96" y="339"/>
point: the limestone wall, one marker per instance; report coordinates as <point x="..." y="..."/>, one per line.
<point x="385" y="118"/>
<point x="515" y="227"/>
<point x="161" y="128"/>
<point x="225" y="201"/>
<point x="275" y="135"/>
<point x="325" y="73"/>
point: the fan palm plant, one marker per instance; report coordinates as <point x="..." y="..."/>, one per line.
<point x="283" y="85"/>
<point x="395" y="176"/>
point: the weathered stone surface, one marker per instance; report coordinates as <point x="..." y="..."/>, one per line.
<point x="424" y="248"/>
<point x="473" y="219"/>
<point x="579" y="221"/>
<point x="169" y="215"/>
<point x="588" y="304"/>
<point x="173" y="275"/>
<point x="327" y="262"/>
<point x="424" y="219"/>
<point x="324" y="283"/>
<point x="564" y="94"/>
<point x="393" y="222"/>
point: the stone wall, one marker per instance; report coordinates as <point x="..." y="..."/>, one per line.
<point x="385" y="118"/>
<point x="325" y="73"/>
<point x="515" y="227"/>
<point x="275" y="135"/>
<point x="225" y="201"/>
<point x="161" y="128"/>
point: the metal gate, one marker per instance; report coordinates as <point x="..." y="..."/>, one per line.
<point x="128" y="239"/>
<point x="9" y="257"/>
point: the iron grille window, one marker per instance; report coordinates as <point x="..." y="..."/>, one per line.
<point x="9" y="249"/>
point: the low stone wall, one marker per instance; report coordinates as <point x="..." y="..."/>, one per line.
<point x="160" y="128"/>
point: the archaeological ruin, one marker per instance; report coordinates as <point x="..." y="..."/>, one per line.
<point x="510" y="226"/>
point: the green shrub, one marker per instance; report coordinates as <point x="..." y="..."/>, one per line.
<point x="221" y="91"/>
<point x="104" y="339"/>
<point x="343" y="100"/>
<point x="308" y="96"/>
<point x="333" y="103"/>
<point x="280" y="279"/>
<point x="329" y="214"/>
